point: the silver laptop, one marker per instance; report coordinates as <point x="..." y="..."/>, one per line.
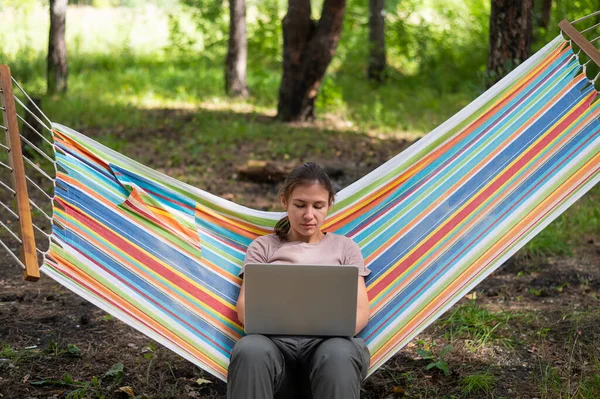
<point x="300" y="299"/>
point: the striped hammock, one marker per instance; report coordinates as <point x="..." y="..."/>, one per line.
<point x="434" y="221"/>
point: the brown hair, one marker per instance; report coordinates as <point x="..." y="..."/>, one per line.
<point x="305" y="174"/>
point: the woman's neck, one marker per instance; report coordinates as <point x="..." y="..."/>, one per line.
<point x="293" y="236"/>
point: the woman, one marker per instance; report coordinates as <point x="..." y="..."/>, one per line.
<point x="302" y="367"/>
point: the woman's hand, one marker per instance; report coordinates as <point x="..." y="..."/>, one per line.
<point x="363" y="309"/>
<point x="240" y="305"/>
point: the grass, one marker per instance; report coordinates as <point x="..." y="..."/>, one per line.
<point x="111" y="81"/>
<point x="581" y="220"/>
<point x="16" y="356"/>
<point x="478" y="383"/>
<point x="8" y="352"/>
<point x="478" y="324"/>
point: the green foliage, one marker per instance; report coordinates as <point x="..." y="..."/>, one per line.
<point x="554" y="385"/>
<point x="550" y="383"/>
<point x="437" y="361"/>
<point x="7" y="352"/>
<point x="78" y="389"/>
<point x="73" y="350"/>
<point x="448" y="44"/>
<point x="116" y="373"/>
<point x="16" y="356"/>
<point x="580" y="220"/>
<point x="181" y="43"/>
<point x="589" y="386"/>
<point x="482" y="326"/>
<point x="211" y="19"/>
<point x="265" y="37"/>
<point x="56" y="350"/>
<point x="93" y="388"/>
<point x="478" y="383"/>
<point x="150" y="353"/>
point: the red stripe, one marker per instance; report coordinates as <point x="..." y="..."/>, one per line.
<point x="144" y="259"/>
<point x="142" y="293"/>
<point x="473" y="275"/>
<point x="473" y="126"/>
<point x="382" y="212"/>
<point x="449" y="225"/>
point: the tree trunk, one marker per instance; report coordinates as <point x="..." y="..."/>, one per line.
<point x="545" y="14"/>
<point x="308" y="47"/>
<point x="237" y="53"/>
<point x="57" y="48"/>
<point x="377" y="62"/>
<point x="511" y="30"/>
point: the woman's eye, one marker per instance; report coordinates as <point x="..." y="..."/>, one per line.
<point x="299" y="206"/>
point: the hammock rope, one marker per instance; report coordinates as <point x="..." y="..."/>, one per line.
<point x="32" y="128"/>
<point x="586" y="17"/>
<point x="6" y="166"/>
<point x="40" y="190"/>
<point x="10" y="251"/>
<point x="590" y="28"/>
<point x="12" y="233"/>
<point x="33" y="165"/>
<point x="33" y="114"/>
<point x="5" y="206"/>
<point x="36" y="149"/>
<point x="431" y="223"/>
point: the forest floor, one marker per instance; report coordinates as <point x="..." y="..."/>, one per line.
<point x="530" y="330"/>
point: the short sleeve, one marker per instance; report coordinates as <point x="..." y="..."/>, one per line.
<point x="257" y="252"/>
<point x="353" y="256"/>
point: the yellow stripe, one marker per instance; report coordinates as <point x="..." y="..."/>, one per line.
<point x="491" y="182"/>
<point x="157" y="260"/>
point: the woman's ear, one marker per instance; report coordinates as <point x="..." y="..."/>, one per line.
<point x="283" y="202"/>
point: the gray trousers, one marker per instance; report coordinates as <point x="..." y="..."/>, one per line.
<point x="286" y="367"/>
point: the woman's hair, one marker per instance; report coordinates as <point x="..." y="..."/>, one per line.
<point x="306" y="174"/>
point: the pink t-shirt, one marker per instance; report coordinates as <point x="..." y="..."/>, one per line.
<point x="333" y="249"/>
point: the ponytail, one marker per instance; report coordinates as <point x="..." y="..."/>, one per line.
<point x="282" y="228"/>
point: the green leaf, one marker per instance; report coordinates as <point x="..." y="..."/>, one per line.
<point x="445" y="350"/>
<point x="442" y="365"/>
<point x="68" y="379"/>
<point x="116" y="371"/>
<point x="73" y="350"/>
<point x="425" y="354"/>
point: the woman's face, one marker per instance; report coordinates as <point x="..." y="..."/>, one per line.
<point x="307" y="207"/>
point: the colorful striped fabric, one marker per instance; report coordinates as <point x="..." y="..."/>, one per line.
<point x="432" y="223"/>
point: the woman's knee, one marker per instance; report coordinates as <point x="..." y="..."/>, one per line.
<point x="340" y="356"/>
<point x="255" y="348"/>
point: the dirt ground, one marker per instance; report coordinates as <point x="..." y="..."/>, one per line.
<point x="530" y="329"/>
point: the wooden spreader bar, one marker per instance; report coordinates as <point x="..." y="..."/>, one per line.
<point x="580" y="40"/>
<point x="15" y="158"/>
